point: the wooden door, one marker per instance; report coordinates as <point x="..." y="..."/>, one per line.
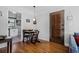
<point x="57" y="27"/>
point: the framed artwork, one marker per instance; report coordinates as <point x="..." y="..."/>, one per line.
<point x="28" y="20"/>
<point x="0" y="13"/>
<point x="18" y="22"/>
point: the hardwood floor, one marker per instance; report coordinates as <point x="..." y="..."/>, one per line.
<point x="42" y="47"/>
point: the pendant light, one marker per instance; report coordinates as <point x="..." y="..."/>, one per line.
<point x="34" y="19"/>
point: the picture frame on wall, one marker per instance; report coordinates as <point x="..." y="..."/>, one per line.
<point x="28" y="20"/>
<point x="0" y="13"/>
<point x="18" y="22"/>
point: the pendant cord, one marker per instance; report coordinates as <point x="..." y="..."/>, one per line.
<point x="34" y="11"/>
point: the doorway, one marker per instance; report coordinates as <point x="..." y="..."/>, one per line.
<point x="57" y="27"/>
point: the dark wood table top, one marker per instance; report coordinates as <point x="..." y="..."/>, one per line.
<point x="9" y="42"/>
<point x="2" y="36"/>
<point x="29" y="31"/>
<point x="5" y="39"/>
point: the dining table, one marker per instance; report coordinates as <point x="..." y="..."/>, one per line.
<point x="4" y="39"/>
<point x="30" y="34"/>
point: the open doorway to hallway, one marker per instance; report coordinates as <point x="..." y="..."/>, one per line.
<point x="57" y="27"/>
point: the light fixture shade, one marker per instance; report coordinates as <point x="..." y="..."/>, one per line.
<point x="34" y="21"/>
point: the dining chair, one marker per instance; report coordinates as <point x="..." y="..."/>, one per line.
<point x="35" y="36"/>
<point x="26" y="35"/>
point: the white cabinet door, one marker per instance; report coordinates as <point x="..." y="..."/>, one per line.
<point x="14" y="32"/>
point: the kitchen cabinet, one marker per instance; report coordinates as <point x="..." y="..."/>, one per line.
<point x="13" y="32"/>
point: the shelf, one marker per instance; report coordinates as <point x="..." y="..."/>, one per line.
<point x="11" y="17"/>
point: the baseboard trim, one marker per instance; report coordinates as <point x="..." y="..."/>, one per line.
<point x="42" y="40"/>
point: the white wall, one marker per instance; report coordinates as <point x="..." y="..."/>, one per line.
<point x="3" y="24"/>
<point x="3" y="21"/>
<point x="70" y="25"/>
<point x="25" y="12"/>
<point x="44" y="21"/>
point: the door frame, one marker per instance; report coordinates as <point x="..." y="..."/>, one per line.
<point x="50" y="15"/>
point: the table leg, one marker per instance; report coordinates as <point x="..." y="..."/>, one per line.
<point x="23" y="38"/>
<point x="11" y="46"/>
<point x="7" y="47"/>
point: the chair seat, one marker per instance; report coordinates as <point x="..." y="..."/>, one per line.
<point x="27" y="34"/>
